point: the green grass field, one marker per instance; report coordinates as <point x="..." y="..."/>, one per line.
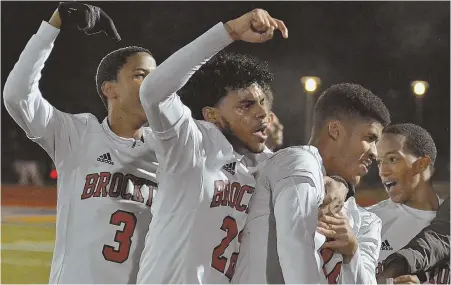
<point x="26" y="252"/>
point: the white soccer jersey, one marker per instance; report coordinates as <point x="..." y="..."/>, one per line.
<point x="105" y="183"/>
<point x="400" y="224"/>
<point x="362" y="267"/>
<point x="204" y="188"/>
<point x="278" y="241"/>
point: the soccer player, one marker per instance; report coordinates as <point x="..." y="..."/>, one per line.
<point x="427" y="252"/>
<point x="278" y="244"/>
<point x="406" y="160"/>
<point x="106" y="172"/>
<point x="204" y="186"/>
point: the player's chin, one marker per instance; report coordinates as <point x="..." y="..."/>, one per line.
<point x="355" y="180"/>
<point x="396" y="196"/>
<point x="256" y="147"/>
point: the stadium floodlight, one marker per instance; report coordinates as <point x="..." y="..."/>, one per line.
<point x="310" y="83"/>
<point x="419" y="88"/>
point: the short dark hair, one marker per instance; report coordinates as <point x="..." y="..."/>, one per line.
<point x="418" y="141"/>
<point x="110" y="65"/>
<point x="350" y="100"/>
<point x="224" y="72"/>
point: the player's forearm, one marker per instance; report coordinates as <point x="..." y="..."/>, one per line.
<point x="296" y="211"/>
<point x="362" y="267"/>
<point x="358" y="271"/>
<point x="21" y="94"/>
<point x="174" y="72"/>
<point x="431" y="245"/>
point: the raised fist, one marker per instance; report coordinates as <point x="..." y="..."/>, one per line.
<point x="256" y="26"/>
<point x="88" y="18"/>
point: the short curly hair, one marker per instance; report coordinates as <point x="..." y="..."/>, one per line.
<point x="224" y="72"/>
<point x="418" y="141"/>
<point x="350" y="100"/>
<point x="111" y="64"/>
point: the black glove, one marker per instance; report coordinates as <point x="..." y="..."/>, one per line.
<point x="88" y="18"/>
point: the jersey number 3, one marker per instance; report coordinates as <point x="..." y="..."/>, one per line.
<point x="218" y="261"/>
<point x="123" y="237"/>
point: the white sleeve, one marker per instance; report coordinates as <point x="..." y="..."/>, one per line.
<point x="297" y="192"/>
<point x="56" y="132"/>
<point x="362" y="268"/>
<point x="296" y="212"/>
<point x="176" y="131"/>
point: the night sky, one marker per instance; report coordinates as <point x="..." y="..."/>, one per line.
<point x="380" y="45"/>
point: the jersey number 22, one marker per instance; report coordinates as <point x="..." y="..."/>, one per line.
<point x="123" y="237"/>
<point x="218" y="261"/>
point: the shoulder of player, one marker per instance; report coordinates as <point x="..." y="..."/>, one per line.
<point x="291" y="162"/>
<point x="381" y="206"/>
<point x="301" y="156"/>
<point x="213" y="141"/>
<point x="366" y="217"/>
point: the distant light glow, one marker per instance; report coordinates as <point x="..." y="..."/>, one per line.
<point x="419" y="88"/>
<point x="53" y="174"/>
<point x="310" y="85"/>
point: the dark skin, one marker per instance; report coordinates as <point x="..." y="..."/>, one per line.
<point x="125" y="112"/>
<point x="347" y="147"/>
<point x="243" y="116"/>
<point x="405" y="176"/>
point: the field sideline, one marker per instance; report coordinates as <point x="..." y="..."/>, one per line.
<point x="28" y="230"/>
<point x="26" y="252"/>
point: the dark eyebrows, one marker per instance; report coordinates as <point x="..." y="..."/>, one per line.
<point x="141" y="69"/>
<point x="373" y="136"/>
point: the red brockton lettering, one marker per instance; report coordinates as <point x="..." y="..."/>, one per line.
<point x="105" y="184"/>
<point x="231" y="195"/>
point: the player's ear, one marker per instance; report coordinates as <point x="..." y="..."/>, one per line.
<point x="270" y="117"/>
<point x="421" y="164"/>
<point x="210" y="114"/>
<point x="335" y="129"/>
<point x="108" y="89"/>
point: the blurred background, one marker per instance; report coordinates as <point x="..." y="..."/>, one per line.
<point x="399" y="50"/>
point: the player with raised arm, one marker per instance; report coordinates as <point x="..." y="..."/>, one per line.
<point x="279" y="242"/>
<point x="407" y="154"/>
<point x="204" y="185"/>
<point x="106" y="172"/>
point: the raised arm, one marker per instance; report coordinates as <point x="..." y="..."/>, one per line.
<point x="157" y="93"/>
<point x="57" y="132"/>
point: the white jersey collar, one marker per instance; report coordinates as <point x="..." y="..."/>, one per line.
<point x="112" y="135"/>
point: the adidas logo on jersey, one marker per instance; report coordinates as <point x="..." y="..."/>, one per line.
<point x="105" y="158"/>
<point x="230" y="167"/>
<point x="386" y="246"/>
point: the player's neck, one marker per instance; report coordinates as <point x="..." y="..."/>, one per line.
<point x="125" y="126"/>
<point x="424" y="198"/>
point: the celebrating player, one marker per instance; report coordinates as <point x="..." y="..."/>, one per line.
<point x="204" y="186"/>
<point x="406" y="160"/>
<point x="106" y="172"/>
<point x="278" y="242"/>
